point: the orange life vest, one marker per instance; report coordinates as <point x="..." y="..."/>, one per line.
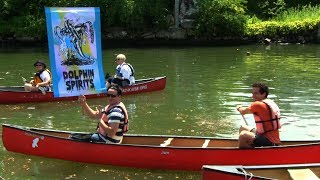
<point x="122" y="126"/>
<point x="37" y="79"/>
<point x="263" y="126"/>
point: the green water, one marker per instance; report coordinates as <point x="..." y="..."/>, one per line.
<point x="204" y="84"/>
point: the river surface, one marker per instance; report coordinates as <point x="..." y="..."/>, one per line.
<point x="204" y="85"/>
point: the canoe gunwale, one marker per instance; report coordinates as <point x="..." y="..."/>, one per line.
<point x="261" y="166"/>
<point x="247" y="172"/>
<point x="16" y="94"/>
<point x="17" y="88"/>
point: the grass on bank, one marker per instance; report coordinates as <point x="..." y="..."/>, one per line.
<point x="292" y="21"/>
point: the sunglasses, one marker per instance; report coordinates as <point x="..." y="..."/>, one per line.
<point x="111" y="95"/>
<point x="38" y="65"/>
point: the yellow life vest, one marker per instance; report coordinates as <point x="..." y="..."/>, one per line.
<point x="37" y="79"/>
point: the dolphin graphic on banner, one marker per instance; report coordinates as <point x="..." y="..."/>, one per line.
<point x="74" y="39"/>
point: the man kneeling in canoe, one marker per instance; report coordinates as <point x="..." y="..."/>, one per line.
<point x="267" y="118"/>
<point x="113" y="119"/>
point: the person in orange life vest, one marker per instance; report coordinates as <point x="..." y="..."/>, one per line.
<point x="124" y="74"/>
<point x="42" y="78"/>
<point x="113" y="119"/>
<point x="267" y="118"/>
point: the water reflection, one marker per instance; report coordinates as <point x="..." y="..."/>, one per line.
<point x="17" y="166"/>
<point x="204" y="85"/>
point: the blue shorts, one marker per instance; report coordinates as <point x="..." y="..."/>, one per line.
<point x="92" y="137"/>
<point x="96" y="138"/>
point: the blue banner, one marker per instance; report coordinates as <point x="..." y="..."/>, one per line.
<point x="75" y="50"/>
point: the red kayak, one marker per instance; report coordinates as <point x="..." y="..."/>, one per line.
<point x="289" y="171"/>
<point x="16" y="94"/>
<point x="154" y="151"/>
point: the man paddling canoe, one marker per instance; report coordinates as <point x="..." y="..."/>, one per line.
<point x="267" y="118"/>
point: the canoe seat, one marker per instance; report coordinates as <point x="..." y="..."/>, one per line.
<point x="296" y="174"/>
<point x="166" y="142"/>
<point x="206" y="143"/>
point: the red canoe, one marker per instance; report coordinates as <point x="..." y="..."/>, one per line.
<point x="155" y="151"/>
<point x="16" y="94"/>
<point x="291" y="171"/>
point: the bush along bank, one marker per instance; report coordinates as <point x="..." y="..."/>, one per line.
<point x="301" y="25"/>
<point x="154" y="21"/>
<point x="289" y="32"/>
<point x="228" y="20"/>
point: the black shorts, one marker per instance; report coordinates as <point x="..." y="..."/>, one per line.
<point x="120" y="82"/>
<point x="46" y="88"/>
<point x="261" y="140"/>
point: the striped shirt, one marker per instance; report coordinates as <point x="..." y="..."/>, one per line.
<point x="114" y="115"/>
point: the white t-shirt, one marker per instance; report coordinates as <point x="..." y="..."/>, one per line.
<point x="126" y="72"/>
<point x="45" y="76"/>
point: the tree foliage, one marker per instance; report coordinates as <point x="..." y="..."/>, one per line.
<point x="26" y="18"/>
<point x="266" y="9"/>
<point x="221" y="18"/>
<point x="215" y="18"/>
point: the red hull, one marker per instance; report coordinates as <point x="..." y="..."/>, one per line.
<point x="20" y="96"/>
<point x="178" y="156"/>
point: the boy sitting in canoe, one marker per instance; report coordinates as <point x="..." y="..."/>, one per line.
<point x="42" y="79"/>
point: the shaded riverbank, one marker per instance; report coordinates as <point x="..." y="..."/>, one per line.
<point x="307" y="38"/>
<point x="142" y="43"/>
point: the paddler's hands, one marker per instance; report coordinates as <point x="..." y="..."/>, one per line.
<point x="99" y="109"/>
<point x="243" y="110"/>
<point x="239" y="108"/>
<point x="82" y="99"/>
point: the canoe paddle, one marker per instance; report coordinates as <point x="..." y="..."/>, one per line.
<point x="24" y="80"/>
<point x="244" y="119"/>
